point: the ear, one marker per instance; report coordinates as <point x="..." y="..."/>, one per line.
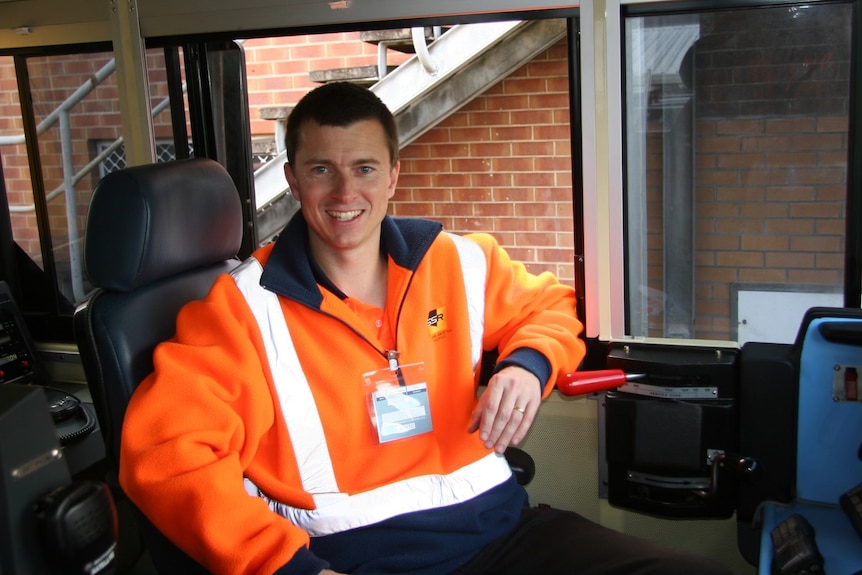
<point x="292" y="181"/>
<point x="393" y="178"/>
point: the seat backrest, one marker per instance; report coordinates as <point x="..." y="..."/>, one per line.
<point x="157" y="236"/>
<point x="829" y="429"/>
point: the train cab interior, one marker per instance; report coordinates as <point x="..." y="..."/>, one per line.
<point x="692" y="169"/>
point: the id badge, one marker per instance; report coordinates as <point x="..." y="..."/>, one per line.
<point x="398" y="401"/>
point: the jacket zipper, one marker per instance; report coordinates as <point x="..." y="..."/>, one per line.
<point x="391" y="355"/>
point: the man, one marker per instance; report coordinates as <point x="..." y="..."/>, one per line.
<point x="318" y="411"/>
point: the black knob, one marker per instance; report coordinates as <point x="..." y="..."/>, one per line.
<point x="747" y="466"/>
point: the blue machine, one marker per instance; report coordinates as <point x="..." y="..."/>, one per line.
<point x="828" y="439"/>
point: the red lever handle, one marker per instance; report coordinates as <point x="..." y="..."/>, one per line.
<point x="583" y="382"/>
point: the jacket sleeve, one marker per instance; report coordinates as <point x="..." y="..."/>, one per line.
<point x="192" y="433"/>
<point x="529" y="318"/>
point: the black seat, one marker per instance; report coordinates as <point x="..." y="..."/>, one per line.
<point x="157" y="237"/>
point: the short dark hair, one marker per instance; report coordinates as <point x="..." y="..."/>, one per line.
<point x="340" y="104"/>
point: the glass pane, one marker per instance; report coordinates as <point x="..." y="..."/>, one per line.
<point x="77" y="109"/>
<point x="736" y="146"/>
<point x="16" y="169"/>
<point x="500" y="164"/>
<point x="74" y="96"/>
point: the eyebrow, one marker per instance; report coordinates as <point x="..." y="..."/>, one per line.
<point x="358" y="162"/>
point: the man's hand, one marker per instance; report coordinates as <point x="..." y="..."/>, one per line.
<point x="329" y="572"/>
<point x="505" y="412"/>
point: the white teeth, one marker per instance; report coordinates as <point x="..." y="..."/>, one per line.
<point x="344" y="216"/>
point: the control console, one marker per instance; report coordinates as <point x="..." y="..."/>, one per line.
<point x="17" y="363"/>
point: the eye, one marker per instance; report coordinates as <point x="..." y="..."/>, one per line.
<point x="318" y="170"/>
<point x="365" y="169"/>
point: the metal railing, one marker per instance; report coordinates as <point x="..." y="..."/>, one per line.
<point x="62" y="115"/>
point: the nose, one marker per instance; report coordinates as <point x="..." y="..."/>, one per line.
<point x="343" y="188"/>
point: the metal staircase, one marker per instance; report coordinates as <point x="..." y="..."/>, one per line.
<point x="458" y="65"/>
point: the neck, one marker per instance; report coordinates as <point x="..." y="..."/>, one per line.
<point x="360" y="274"/>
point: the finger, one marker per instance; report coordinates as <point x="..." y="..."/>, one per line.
<point x="529" y="415"/>
<point x="476" y="416"/>
<point x="502" y="423"/>
<point x="516" y="428"/>
<point x="486" y="411"/>
<point x="494" y="418"/>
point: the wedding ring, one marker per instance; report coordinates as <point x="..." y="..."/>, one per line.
<point x="521" y="409"/>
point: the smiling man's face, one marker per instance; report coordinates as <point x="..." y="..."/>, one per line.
<point x="343" y="178"/>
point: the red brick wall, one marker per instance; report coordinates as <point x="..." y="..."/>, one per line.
<point x="503" y="165"/>
<point x="278" y="68"/>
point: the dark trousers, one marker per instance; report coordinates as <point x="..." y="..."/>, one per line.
<point x="553" y="541"/>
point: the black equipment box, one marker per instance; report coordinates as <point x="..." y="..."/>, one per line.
<point x="671" y="433"/>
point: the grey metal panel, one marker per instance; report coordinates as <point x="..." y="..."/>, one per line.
<point x="165" y="17"/>
<point x="51" y="22"/>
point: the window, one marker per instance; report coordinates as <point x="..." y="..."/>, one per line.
<point x="76" y="114"/>
<point x="736" y="147"/>
<point x="492" y="155"/>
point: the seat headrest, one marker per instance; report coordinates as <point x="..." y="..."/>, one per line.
<point x="149" y="222"/>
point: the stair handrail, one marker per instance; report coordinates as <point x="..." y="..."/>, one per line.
<point x="91" y="165"/>
<point x="83" y="90"/>
<point x="421" y="48"/>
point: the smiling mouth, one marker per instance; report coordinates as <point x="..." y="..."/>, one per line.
<point x="344" y="216"/>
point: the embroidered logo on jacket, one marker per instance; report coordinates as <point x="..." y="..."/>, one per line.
<point x="437" y="321"/>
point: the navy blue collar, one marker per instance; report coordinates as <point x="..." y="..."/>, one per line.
<point x="292" y="272"/>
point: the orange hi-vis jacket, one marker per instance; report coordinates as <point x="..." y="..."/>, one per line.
<point x="252" y="446"/>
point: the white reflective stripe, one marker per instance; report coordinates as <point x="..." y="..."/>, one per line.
<point x="294" y="394"/>
<point x="339" y="512"/>
<point x="474" y="268"/>
<point x="251" y="488"/>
